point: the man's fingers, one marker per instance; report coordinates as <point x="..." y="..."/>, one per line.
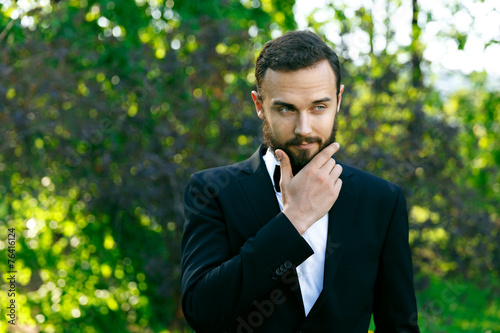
<point x="336" y="171"/>
<point x="328" y="166"/>
<point x="338" y="185"/>
<point x="324" y="155"/>
<point x="285" y="167"/>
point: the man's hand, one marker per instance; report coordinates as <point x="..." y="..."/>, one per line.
<point x="311" y="193"/>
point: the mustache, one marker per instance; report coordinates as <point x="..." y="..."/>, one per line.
<point x="301" y="139"/>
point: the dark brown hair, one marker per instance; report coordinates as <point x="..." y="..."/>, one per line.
<point x="293" y="51"/>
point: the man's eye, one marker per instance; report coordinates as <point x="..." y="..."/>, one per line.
<point x="319" y="107"/>
<point x="285" y="109"/>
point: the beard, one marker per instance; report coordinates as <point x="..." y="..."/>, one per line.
<point x="304" y="156"/>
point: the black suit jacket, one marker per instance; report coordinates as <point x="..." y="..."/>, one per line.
<point x="239" y="254"/>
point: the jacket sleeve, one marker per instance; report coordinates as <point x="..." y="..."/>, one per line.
<point x="395" y="306"/>
<point x="218" y="285"/>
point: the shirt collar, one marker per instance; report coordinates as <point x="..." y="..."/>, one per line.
<point x="271" y="163"/>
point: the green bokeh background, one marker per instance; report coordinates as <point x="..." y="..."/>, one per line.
<point x="107" y="107"/>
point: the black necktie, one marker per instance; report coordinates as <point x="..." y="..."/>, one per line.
<point x="277" y="177"/>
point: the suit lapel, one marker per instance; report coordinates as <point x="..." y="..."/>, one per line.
<point x="339" y="228"/>
<point x="258" y="188"/>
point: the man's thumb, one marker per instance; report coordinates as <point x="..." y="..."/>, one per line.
<point x="286" y="169"/>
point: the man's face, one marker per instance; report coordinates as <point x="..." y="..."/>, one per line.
<point x="299" y="110"/>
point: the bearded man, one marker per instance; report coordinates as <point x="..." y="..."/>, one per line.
<point x="290" y="240"/>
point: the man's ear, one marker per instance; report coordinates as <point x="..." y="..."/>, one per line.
<point x="258" y="104"/>
<point x="339" y="97"/>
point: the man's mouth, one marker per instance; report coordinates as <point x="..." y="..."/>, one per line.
<point x="305" y="145"/>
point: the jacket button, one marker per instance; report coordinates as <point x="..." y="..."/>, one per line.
<point x="283" y="268"/>
<point x="279" y="272"/>
<point x="288" y="264"/>
<point x="274" y="276"/>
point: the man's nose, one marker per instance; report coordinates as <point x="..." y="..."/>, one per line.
<point x="303" y="127"/>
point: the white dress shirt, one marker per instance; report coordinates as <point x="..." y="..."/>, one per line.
<point x="311" y="271"/>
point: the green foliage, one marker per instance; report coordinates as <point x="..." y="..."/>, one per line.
<point x="107" y="107"/>
<point x="454" y="305"/>
<point x="451" y="305"/>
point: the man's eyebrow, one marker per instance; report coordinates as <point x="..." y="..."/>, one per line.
<point x="280" y="103"/>
<point x="291" y="106"/>
<point x="324" y="99"/>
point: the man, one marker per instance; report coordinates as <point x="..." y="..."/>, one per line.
<point x="289" y="240"/>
